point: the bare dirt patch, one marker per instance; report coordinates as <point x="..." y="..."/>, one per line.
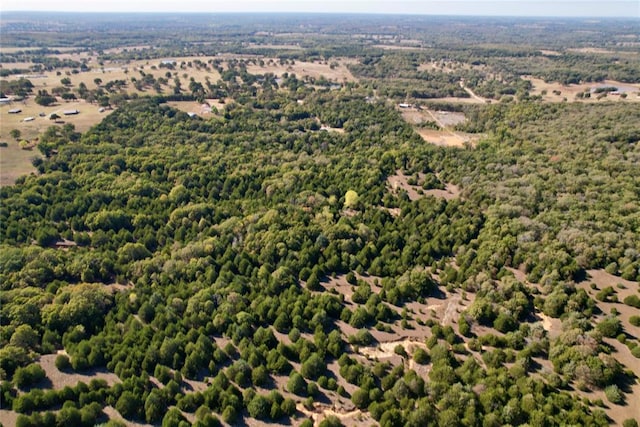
<point x="551" y="325"/>
<point x="445" y="136"/>
<point x="623" y="288"/>
<point x="60" y="380"/>
<point x="400" y="181"/>
<point x="8" y="418"/>
<point x="447" y="139"/>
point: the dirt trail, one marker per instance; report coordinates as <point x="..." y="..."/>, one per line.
<point x="471" y="93"/>
<point x="552" y="326"/>
<point x="451" y="310"/>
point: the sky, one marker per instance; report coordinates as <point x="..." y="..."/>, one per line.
<point x="579" y="8"/>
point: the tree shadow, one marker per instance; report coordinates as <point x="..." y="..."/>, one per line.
<point x="43" y="384"/>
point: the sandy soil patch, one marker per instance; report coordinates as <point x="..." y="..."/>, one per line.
<point x="8" y="418"/>
<point x="551" y="325"/>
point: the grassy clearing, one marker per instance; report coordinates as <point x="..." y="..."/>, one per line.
<point x="14" y="161"/>
<point x="338" y="73"/>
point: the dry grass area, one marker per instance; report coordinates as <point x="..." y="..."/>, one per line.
<point x="119" y="70"/>
<point x="338" y="74"/>
<point x="455" y="100"/>
<point x="89" y="115"/>
<point x="14" y="161"/>
<point x="557" y="92"/>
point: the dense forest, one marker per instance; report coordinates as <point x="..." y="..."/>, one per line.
<point x="194" y="260"/>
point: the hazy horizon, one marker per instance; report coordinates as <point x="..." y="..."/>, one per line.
<point x="527" y="8"/>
